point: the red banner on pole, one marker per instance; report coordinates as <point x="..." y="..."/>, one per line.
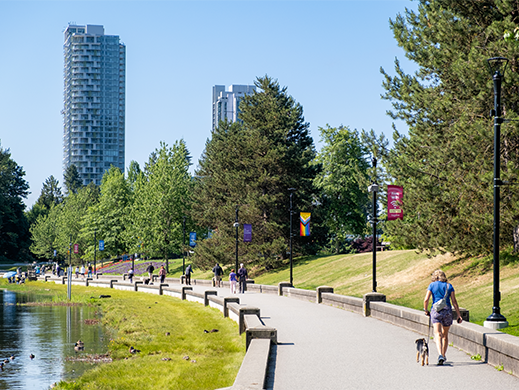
<point x="395" y="197"/>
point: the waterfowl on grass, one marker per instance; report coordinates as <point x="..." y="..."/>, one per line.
<point x="133" y="350"/>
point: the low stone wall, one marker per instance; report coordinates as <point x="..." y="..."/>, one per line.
<point x="305" y="295"/>
<point x="343" y="302"/>
<point x="495" y="348"/>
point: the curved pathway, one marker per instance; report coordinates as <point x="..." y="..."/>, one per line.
<point x="325" y="348"/>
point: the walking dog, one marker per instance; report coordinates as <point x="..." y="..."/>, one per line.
<point x="422" y="351"/>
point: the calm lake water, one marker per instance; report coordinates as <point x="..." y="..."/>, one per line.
<point x="49" y="333"/>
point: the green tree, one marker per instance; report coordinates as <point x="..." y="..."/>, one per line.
<point x="71" y="221"/>
<point x="72" y="180"/>
<point x="134" y="171"/>
<point x="108" y="217"/>
<point x="44" y="233"/>
<point x="162" y="198"/>
<point x="50" y="196"/>
<point x="342" y="182"/>
<point x="253" y="164"/>
<point x="445" y="164"/>
<point x="14" y="227"/>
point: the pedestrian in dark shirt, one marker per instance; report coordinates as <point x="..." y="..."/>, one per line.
<point x="242" y="273"/>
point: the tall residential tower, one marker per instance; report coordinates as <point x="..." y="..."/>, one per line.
<point x="226" y="103"/>
<point x="94" y="101"/>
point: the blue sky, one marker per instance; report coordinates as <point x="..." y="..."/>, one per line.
<point x="327" y="53"/>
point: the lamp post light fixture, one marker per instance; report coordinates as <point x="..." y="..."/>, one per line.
<point x="184" y="246"/>
<point x="291" y="235"/>
<point x="497" y="66"/>
<point x="236" y="225"/>
<point x="374" y="189"/>
<point x="95" y="249"/>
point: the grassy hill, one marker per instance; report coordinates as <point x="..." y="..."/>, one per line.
<point x="403" y="276"/>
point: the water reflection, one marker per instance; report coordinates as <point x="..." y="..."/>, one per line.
<point x="48" y="332"/>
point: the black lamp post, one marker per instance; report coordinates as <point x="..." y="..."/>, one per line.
<point x="291" y="235"/>
<point x="374" y="189"/>
<point x="184" y="247"/>
<point x="497" y="66"/>
<point x="95" y="250"/>
<point x="236" y="225"/>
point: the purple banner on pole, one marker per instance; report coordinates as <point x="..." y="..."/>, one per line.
<point x="247" y="232"/>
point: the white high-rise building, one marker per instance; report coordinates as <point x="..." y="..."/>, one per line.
<point x="226" y="103"/>
<point x="94" y="101"/>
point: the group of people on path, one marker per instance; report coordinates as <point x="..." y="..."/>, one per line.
<point x="81" y="271"/>
<point x="234" y="278"/>
<point x="240" y="277"/>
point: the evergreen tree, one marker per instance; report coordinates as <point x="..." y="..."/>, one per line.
<point x="50" y="196"/>
<point x="253" y="164"/>
<point x="14" y="228"/>
<point x="50" y="193"/>
<point x="446" y="162"/>
<point x="72" y="179"/>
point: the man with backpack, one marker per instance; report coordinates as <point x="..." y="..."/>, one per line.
<point x="218" y="272"/>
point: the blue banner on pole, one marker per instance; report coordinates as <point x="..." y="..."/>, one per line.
<point x="101" y="245"/>
<point x="192" y="239"/>
<point x="247" y="232"/>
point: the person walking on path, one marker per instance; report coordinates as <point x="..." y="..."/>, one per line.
<point x="441" y="317"/>
<point x="242" y="273"/>
<point x="162" y="274"/>
<point x="77" y="271"/>
<point x="82" y="271"/>
<point x="89" y="270"/>
<point x="189" y="271"/>
<point x="218" y="272"/>
<point x="233" y="280"/>
<point x="130" y="275"/>
<point x="150" y="270"/>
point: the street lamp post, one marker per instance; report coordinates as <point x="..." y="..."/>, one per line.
<point x="374" y="189"/>
<point x="184" y="246"/>
<point x="291" y="234"/>
<point x="236" y="225"/>
<point x="497" y="66"/>
<point x="95" y="249"/>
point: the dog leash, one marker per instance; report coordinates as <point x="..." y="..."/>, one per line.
<point x="429" y="328"/>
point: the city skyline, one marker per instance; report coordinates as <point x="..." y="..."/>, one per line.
<point x="327" y="56"/>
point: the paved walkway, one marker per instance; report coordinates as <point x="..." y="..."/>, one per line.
<point x="324" y="348"/>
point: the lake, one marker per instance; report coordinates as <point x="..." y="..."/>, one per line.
<point x="49" y="333"/>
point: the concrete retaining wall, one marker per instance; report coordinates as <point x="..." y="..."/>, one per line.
<point x="495" y="348"/>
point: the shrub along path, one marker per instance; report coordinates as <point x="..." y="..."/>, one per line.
<point x="321" y="347"/>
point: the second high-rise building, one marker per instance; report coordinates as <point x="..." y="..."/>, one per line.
<point x="94" y="102"/>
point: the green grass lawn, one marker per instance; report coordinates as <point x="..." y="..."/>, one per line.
<point x="142" y="320"/>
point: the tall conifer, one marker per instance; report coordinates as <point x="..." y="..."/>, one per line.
<point x="446" y="162"/>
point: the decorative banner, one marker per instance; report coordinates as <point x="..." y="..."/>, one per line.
<point x="101" y="245"/>
<point x="395" y="197"/>
<point x="304" y="218"/>
<point x="192" y="239"/>
<point x="76" y="248"/>
<point x="247" y="232"/>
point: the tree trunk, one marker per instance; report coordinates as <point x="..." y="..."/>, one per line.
<point x="516" y="239"/>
